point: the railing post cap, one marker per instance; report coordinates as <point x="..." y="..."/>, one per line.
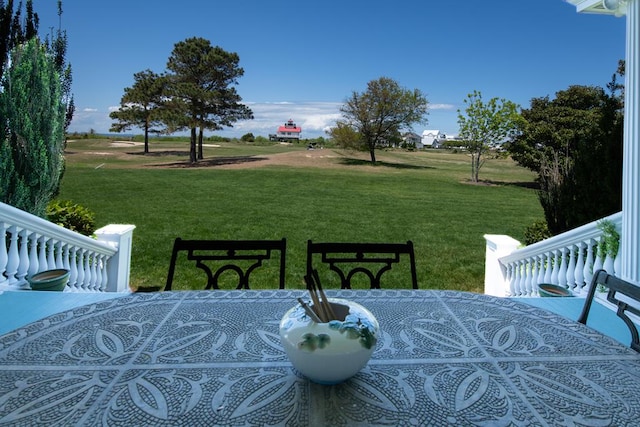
<point x="501" y="240"/>
<point x="115" y="229"/>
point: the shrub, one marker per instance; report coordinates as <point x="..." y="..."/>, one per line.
<point x="71" y="216"/>
<point x="536" y="232"/>
<point x="248" y="137"/>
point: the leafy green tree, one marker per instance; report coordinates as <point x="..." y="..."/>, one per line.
<point x="201" y="92"/>
<point x="32" y="139"/>
<point x="142" y="106"/>
<point x="36" y="106"/>
<point x="248" y="137"/>
<point x="379" y="114"/>
<point x="345" y="136"/>
<point x="484" y="125"/>
<point x="574" y="143"/>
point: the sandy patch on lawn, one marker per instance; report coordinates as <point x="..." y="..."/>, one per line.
<point x="310" y="158"/>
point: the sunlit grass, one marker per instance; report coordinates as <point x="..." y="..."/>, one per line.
<point x="422" y="196"/>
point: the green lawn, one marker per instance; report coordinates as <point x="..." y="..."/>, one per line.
<point x="419" y="196"/>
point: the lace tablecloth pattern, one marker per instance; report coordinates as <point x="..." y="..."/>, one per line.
<point x="214" y="358"/>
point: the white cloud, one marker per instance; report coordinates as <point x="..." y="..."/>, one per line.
<point x="315" y="118"/>
<point x="90" y="119"/>
<point x="441" y="106"/>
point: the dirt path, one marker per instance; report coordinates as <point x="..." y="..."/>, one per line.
<point x="173" y="158"/>
<point x="309" y="158"/>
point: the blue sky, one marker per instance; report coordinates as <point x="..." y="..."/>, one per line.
<point x="303" y="59"/>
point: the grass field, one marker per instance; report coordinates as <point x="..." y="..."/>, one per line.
<point x="268" y="192"/>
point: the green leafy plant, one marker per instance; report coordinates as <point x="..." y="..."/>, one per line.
<point x="536" y="232"/>
<point x="72" y="216"/>
<point x="611" y="238"/>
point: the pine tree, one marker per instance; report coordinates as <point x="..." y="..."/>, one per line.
<point x="33" y="111"/>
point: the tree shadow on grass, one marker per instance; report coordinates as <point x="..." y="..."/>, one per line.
<point x="165" y="153"/>
<point x="348" y="161"/>
<point x="211" y="162"/>
<point x="487" y="182"/>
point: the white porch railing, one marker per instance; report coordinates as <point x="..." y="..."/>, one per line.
<point x="568" y="259"/>
<point x="29" y="244"/>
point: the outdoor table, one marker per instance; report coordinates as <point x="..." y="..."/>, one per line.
<point x="214" y="358"/>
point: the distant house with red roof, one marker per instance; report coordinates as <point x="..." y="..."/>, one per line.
<point x="290" y="132"/>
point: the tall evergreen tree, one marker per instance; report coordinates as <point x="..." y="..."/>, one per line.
<point x="35" y="107"/>
<point x="57" y="47"/>
<point x="33" y="139"/>
<point x="201" y="90"/>
<point x="142" y="106"/>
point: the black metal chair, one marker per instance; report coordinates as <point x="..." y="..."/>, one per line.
<point x="241" y="256"/>
<point x="372" y="259"/>
<point x="616" y="286"/>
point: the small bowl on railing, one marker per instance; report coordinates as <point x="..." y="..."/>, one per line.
<point x="549" y="290"/>
<point x="49" y="280"/>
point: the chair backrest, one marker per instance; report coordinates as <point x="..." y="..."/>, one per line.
<point x="616" y="286"/>
<point x="372" y="259"/>
<point x="241" y="256"/>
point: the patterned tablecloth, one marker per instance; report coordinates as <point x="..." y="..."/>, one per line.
<point x="214" y="358"/>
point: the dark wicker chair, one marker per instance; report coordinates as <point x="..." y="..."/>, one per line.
<point x="372" y="259"/>
<point x="616" y="286"/>
<point x="241" y="256"/>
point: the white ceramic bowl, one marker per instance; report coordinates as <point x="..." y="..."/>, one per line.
<point x="330" y="353"/>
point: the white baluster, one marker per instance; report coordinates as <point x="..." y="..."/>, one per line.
<point x="102" y="273"/>
<point x="59" y="262"/>
<point x="33" y="254"/>
<point x="23" y="266"/>
<point x="549" y="267"/>
<point x="42" y="254"/>
<point x="51" y="260"/>
<point x="556" y="267"/>
<point x="94" y="272"/>
<point x="579" y="274"/>
<point x="524" y="272"/>
<point x="599" y="256"/>
<point x="13" y="261"/>
<point x="88" y="280"/>
<point x="65" y="257"/>
<point x="541" y="272"/>
<point x="562" y="273"/>
<point x="105" y="272"/>
<point x="588" y="265"/>
<point x="510" y="279"/>
<point x="4" y="257"/>
<point x="608" y="264"/>
<point x="515" y="283"/>
<point x="80" y="264"/>
<point x="571" y="267"/>
<point x="73" y="266"/>
<point x="529" y="271"/>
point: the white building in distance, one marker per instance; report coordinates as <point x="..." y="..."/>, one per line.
<point x="432" y="138"/>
